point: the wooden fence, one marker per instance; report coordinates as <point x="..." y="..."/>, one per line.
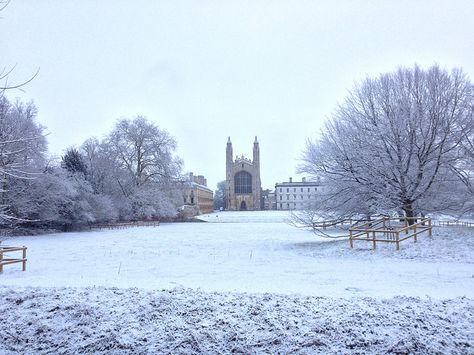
<point x="125" y="225"/>
<point x="9" y="260"/>
<point x="390" y="230"/>
<point x="455" y="224"/>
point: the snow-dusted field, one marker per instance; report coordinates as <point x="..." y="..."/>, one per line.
<point x="133" y="321"/>
<point x="259" y="254"/>
<point x="170" y="285"/>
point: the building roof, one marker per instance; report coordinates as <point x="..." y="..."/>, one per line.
<point x="201" y="187"/>
<point x="297" y="184"/>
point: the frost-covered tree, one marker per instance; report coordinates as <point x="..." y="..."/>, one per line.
<point x="59" y="199"/>
<point x="22" y="151"/>
<point x="469" y="172"/>
<point x="396" y="145"/>
<point x="100" y="167"/>
<point x="5" y="83"/>
<point x="142" y="166"/>
<point x="219" y="195"/>
<point x="143" y="150"/>
<point x="74" y="162"/>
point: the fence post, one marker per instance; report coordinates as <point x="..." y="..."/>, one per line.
<point x="350" y="239"/>
<point x="398" y="240"/>
<point x="414" y="232"/>
<point x="1" y="259"/>
<point x="24" y="259"/>
<point x="373" y="240"/>
<point x="430" y="228"/>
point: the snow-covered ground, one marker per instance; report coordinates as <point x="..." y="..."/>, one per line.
<point x="248" y="256"/>
<point x="134" y="321"/>
<point x="248" y="282"/>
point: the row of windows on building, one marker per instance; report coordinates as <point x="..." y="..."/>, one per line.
<point x="301" y="189"/>
<point x="294" y="197"/>
<point x="290" y="205"/>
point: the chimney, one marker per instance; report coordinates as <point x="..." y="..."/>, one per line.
<point x="191" y="177"/>
<point x="303" y="179"/>
<point x="291" y="180"/>
<point x="200" y="180"/>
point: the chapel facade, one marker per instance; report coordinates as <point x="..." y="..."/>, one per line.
<point x="243" y="185"/>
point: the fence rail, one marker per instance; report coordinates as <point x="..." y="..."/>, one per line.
<point x="125" y="225"/>
<point x="455" y="224"/>
<point x="390" y="230"/>
<point x="9" y="260"/>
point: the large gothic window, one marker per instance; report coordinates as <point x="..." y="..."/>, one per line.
<point x="243" y="183"/>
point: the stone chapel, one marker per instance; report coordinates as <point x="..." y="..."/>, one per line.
<point x="243" y="185"/>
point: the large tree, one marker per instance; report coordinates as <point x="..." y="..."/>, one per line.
<point x="143" y="150"/>
<point x="396" y="145"/>
<point x="143" y="167"/>
<point x="22" y="152"/>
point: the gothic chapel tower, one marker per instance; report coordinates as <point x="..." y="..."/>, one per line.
<point x="243" y="185"/>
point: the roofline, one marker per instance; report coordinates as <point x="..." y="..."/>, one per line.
<point x="298" y="183"/>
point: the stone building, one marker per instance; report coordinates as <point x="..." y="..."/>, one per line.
<point x="198" y="195"/>
<point x="243" y="185"/>
<point x="268" y="198"/>
<point x="296" y="195"/>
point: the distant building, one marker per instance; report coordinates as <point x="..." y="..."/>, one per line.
<point x="197" y="194"/>
<point x="243" y="186"/>
<point x="295" y="195"/>
<point x="268" y="200"/>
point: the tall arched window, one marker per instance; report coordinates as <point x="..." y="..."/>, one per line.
<point x="243" y="183"/>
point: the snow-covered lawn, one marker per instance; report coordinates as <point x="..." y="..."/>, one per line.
<point x="258" y="254"/>
<point x="134" y="321"/>
<point x="247" y="282"/>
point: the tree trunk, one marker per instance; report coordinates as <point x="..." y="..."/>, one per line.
<point x="408" y="209"/>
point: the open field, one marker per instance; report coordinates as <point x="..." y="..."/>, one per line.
<point x="260" y="255"/>
<point x="248" y="283"/>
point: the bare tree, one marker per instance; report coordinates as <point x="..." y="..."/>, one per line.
<point x="219" y="196"/>
<point x="22" y="150"/>
<point x="143" y="150"/>
<point x="5" y="73"/>
<point x="395" y="145"/>
<point x="143" y="167"/>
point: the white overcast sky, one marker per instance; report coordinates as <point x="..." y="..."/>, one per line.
<point x="206" y="70"/>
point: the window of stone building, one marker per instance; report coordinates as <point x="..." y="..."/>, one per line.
<point x="243" y="183"/>
<point x="287" y="189"/>
<point x="280" y="189"/>
<point x="301" y="190"/>
<point x="301" y="196"/>
<point x="287" y="197"/>
<point x="315" y="189"/>
<point x="294" y="197"/>
<point x="281" y="197"/>
<point x="294" y="189"/>
<point x="308" y="189"/>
